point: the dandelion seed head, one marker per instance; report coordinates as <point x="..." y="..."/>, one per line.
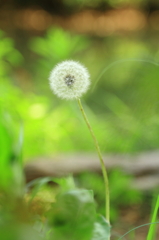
<point x="69" y="80"/>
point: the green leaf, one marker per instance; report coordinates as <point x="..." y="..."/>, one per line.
<point x="5" y="154"/>
<point x="151" y="233"/>
<point x="37" y="184"/>
<point x="65" y="183"/>
<point x="73" y="215"/>
<point x="101" y="229"/>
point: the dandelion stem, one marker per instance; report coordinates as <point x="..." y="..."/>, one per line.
<point x="104" y="171"/>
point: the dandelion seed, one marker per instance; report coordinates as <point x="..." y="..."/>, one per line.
<point x="69" y="80"/>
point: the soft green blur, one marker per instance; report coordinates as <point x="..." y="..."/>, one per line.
<point x="122" y="105"/>
<point x="122" y="102"/>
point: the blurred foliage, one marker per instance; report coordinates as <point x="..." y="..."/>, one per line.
<point x="122" y="106"/>
<point x="122" y="102"/>
<point x="121" y="193"/>
<point x="69" y="6"/>
<point x="98" y="3"/>
<point x="124" y="93"/>
<point x="10" y="152"/>
<point x="55" y="47"/>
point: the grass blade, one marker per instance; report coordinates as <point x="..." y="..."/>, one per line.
<point x="151" y="232"/>
<point x="146" y="224"/>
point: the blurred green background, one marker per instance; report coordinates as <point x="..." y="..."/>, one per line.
<point x="120" y="49"/>
<point x="117" y="40"/>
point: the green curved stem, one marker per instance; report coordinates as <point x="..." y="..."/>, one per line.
<point x="104" y="171"/>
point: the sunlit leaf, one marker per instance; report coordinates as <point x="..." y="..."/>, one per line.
<point x="101" y="229"/>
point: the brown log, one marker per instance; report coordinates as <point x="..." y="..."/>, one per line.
<point x="144" y="166"/>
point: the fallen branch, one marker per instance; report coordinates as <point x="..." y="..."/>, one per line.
<point x="144" y="166"/>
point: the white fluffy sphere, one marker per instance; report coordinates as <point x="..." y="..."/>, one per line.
<point x="69" y="80"/>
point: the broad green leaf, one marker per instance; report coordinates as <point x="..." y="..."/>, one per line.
<point x="101" y="229"/>
<point x="73" y="215"/>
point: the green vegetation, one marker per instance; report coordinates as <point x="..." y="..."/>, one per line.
<point x="123" y="107"/>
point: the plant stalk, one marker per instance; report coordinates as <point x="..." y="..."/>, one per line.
<point x="104" y="171"/>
